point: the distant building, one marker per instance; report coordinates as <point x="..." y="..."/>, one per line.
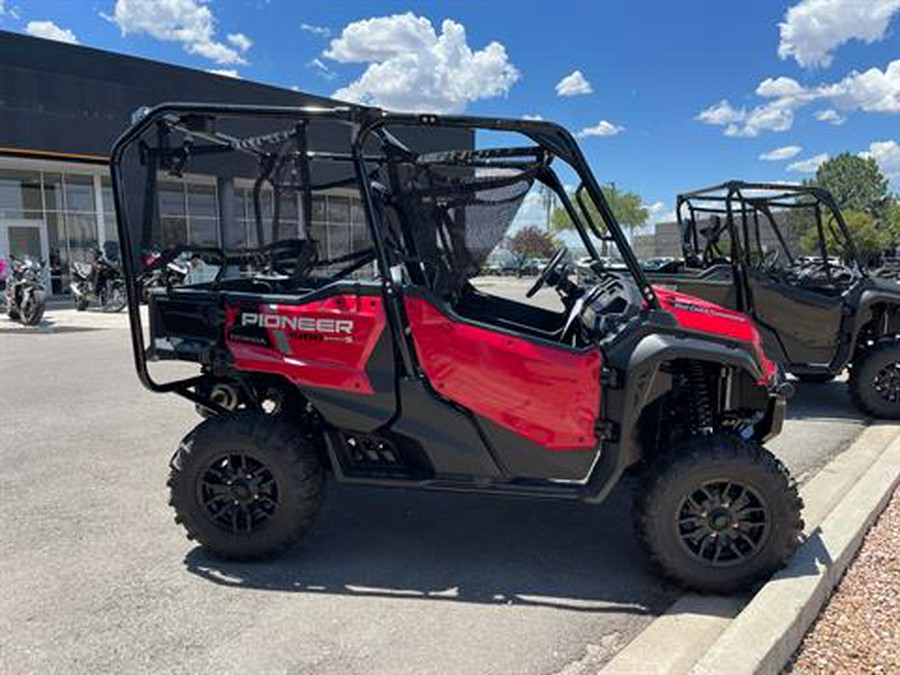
<point x="62" y="107"/>
<point x="665" y="240"/>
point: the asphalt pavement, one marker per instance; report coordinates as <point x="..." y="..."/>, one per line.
<point x="96" y="578"/>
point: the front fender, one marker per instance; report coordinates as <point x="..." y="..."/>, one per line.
<point x="645" y="382"/>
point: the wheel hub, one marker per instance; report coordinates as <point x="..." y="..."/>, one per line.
<point x="723" y="523"/>
<point x="239" y="493"/>
<point x="887" y="383"/>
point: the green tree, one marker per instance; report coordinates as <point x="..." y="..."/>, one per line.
<point x="531" y="242"/>
<point x="870" y="238"/>
<point x="855" y="182"/>
<point x="893" y="219"/>
<point x="626" y="206"/>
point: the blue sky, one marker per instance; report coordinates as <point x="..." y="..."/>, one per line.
<point x="676" y="92"/>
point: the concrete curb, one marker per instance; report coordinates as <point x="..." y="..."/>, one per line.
<point x="766" y="633"/>
<point x="689" y="628"/>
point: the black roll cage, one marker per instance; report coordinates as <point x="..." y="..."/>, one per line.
<point x="721" y="200"/>
<point x="364" y="123"/>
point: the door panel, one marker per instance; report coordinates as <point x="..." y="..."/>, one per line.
<point x="807" y="322"/>
<point x="546" y="394"/>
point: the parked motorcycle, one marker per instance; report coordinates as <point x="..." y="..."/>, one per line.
<point x="100" y="281"/>
<point x="173" y="273"/>
<point x="26" y="292"/>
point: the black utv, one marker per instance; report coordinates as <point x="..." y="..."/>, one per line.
<point x="784" y="255"/>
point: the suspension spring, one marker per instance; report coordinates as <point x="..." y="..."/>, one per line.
<point x="701" y="412"/>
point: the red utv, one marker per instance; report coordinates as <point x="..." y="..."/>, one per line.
<point x="341" y="333"/>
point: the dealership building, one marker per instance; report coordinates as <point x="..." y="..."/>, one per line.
<point x="61" y="109"/>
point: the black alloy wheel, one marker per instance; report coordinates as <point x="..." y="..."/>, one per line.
<point x="717" y="513"/>
<point x="247" y="485"/>
<point x="874" y="381"/>
<point x="239" y="492"/>
<point x="723" y="522"/>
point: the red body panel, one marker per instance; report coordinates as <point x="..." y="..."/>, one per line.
<point x="706" y="317"/>
<point x="325" y="343"/>
<point x="549" y="395"/>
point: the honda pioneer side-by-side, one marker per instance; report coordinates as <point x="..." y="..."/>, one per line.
<point x="783" y="255"/>
<point x="341" y="333"/>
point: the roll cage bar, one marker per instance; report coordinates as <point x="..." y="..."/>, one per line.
<point x="364" y="122"/>
<point x="722" y="200"/>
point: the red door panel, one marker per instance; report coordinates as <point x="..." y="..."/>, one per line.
<point x="549" y="395"/>
<point x="325" y="343"/>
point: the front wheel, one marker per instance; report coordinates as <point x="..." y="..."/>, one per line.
<point x="719" y="514"/>
<point x="875" y="380"/>
<point x="246" y="486"/>
<point x="32" y="310"/>
<point x="113" y="298"/>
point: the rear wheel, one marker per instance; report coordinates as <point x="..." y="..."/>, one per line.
<point x="245" y="486"/>
<point x="718" y="514"/>
<point x="875" y="380"/>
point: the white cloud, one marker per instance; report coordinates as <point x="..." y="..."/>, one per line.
<point x="574" y="84"/>
<point x="874" y="90"/>
<point x="779" y="87"/>
<point x="321" y="68"/>
<point x="241" y="41"/>
<point x="2" y="8"/>
<point x="887" y="154"/>
<point x="189" y="22"/>
<point x="602" y="128"/>
<point x="533" y="118"/>
<point x="831" y="116"/>
<point x="225" y="72"/>
<point x="779" y="154"/>
<point x="813" y="29"/>
<point x="778" y="115"/>
<point x="656" y="207"/>
<point x="321" y="31"/>
<point x="808" y="165"/>
<point x="412" y="67"/>
<point x="722" y="113"/>
<point x="50" y="31"/>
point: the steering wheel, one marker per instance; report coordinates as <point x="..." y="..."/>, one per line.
<point x="545" y="273"/>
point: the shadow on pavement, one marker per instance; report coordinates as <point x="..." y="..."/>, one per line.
<point x="828" y="400"/>
<point x="462" y="548"/>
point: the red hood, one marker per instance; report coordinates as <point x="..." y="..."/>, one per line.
<point x="703" y="316"/>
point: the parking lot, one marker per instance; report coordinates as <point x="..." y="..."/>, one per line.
<point x="97" y="578"/>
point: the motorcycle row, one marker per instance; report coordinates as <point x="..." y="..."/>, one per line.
<point x="100" y="282"/>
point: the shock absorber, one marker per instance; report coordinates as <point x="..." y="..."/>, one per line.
<point x="702" y="409"/>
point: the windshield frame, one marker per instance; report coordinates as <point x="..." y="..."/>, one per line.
<point x="775" y="195"/>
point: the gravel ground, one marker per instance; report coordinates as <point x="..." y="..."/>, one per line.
<point x="859" y="629"/>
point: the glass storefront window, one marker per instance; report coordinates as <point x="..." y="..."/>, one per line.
<point x="59" y="253"/>
<point x="171" y="198"/>
<point x="79" y="192"/>
<point x="338" y="210"/>
<point x="82" y="231"/>
<point x="53" y="192"/>
<point x="201" y="201"/>
<point x="20" y="194"/>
